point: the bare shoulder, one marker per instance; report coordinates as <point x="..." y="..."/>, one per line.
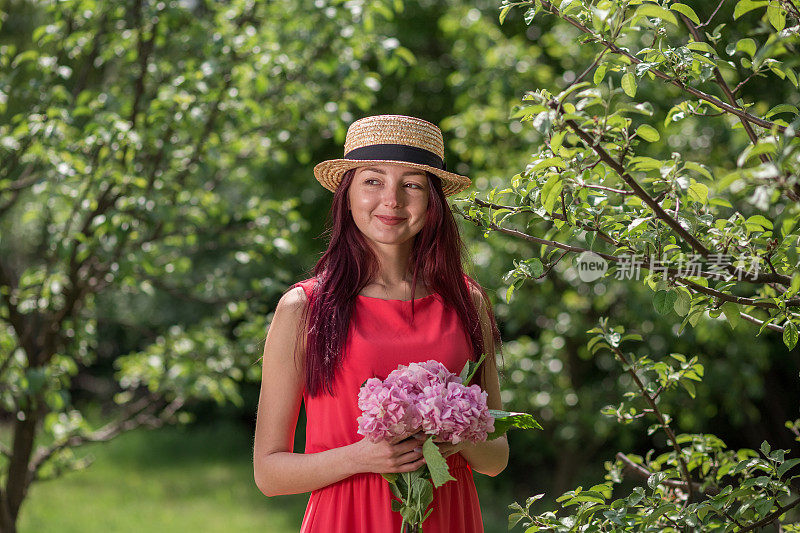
<point x="294" y="301"/>
<point x="287" y="323"/>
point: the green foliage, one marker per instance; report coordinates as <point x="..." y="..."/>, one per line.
<point x="140" y="145"/>
<point x="710" y="239"/>
<point x="504" y="420"/>
<point x="467" y="373"/>
<point x="727" y="487"/>
<point x="691" y="205"/>
<point x="414" y="490"/>
<point x="435" y="463"/>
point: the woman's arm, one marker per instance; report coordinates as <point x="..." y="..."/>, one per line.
<point x="276" y="469"/>
<point x="489" y="457"/>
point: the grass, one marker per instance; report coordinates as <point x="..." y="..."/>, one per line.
<point x="194" y="478"/>
<point x="165" y="480"/>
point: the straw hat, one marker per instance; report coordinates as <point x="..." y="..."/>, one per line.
<point x="397" y="139"/>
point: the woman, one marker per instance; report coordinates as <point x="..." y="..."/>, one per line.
<point x="389" y="290"/>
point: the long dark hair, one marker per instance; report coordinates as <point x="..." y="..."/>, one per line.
<point x="349" y="264"/>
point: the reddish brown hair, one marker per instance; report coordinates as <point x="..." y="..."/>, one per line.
<point x="349" y="264"/>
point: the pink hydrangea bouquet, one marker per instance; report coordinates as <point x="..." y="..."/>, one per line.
<point x="426" y="397"/>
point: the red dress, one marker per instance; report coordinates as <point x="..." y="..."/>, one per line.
<point x="379" y="339"/>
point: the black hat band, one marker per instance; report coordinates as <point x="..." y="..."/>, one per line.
<point x="397" y="152"/>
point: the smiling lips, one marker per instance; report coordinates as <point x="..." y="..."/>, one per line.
<point x="390" y="221"/>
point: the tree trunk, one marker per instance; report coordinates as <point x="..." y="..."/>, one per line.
<point x="7" y="525"/>
<point x="18" y="479"/>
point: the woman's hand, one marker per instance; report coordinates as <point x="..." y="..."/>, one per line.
<point x="447" y="448"/>
<point x="404" y="454"/>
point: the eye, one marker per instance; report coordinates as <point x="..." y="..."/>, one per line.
<point x="369" y="180"/>
<point x="415" y="185"/>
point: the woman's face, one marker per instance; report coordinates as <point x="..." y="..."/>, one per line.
<point x="389" y="203"/>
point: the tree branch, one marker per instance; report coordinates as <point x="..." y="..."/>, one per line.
<point x="137" y="414"/>
<point x="765" y="158"/>
<point x="643" y="473"/>
<point x="687" y="478"/>
<point x="735" y="299"/>
<point x="770" y="517"/>
<point x="661" y="213"/>
<point x="691" y="90"/>
<point x="648" y="265"/>
<point x="757" y="322"/>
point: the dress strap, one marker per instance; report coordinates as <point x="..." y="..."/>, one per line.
<point x="308" y="286"/>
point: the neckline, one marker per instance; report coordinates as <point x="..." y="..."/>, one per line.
<point x="396" y="300"/>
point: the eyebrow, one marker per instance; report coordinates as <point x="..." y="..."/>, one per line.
<point x="409" y="173"/>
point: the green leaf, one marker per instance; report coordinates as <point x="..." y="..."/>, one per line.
<point x="765" y="325"/>
<point x="790" y="334"/>
<point x="655" y="11"/>
<point x="786" y="466"/>
<point x="569" y="90"/>
<point x="551" y="191"/>
<point x="629" y="84"/>
<point x="513" y="519"/>
<point x="648" y="133"/>
<point x="731" y="311"/>
<point x="599" y="74"/>
<point x="698" y="192"/>
<point x="468" y="372"/>
<point x="760" y="220"/>
<point x="503" y="12"/>
<point x="701" y="47"/>
<point x="682" y="303"/>
<point x="697" y="167"/>
<point x="765" y="448"/>
<point x="645" y="163"/>
<point x="686" y="10"/>
<point x="437" y="465"/>
<point x="747" y="46"/>
<point x="556" y="140"/>
<point x="423" y="490"/>
<point x="514" y="286"/>
<point x="781" y="108"/>
<point x="505" y="420"/>
<point x="695" y="316"/>
<point x="678" y="357"/>
<point x="548" y="162"/>
<point x="535" y="266"/>
<point x="746" y="5"/>
<point x="530" y="14"/>
<point x="777" y="16"/>
<point x="664" y="301"/>
<point x="394" y="489"/>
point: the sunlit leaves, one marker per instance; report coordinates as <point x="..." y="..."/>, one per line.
<point x="663" y="301"/>
<point x="790" y="334"/>
<point x="648" y="133"/>
<point x="551" y="192"/>
<point x="629" y="84"/>
<point x="686" y="10"/>
<point x="698" y="192"/>
<point x="741" y="203"/>
<point x="777" y="16"/>
<point x="744" y="6"/>
<point x="653" y="10"/>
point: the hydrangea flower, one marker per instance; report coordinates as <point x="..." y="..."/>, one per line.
<point x="423" y="397"/>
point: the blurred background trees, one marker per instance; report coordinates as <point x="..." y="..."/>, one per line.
<point x="156" y="198"/>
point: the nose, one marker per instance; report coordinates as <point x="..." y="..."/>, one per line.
<point x="392" y="197"/>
